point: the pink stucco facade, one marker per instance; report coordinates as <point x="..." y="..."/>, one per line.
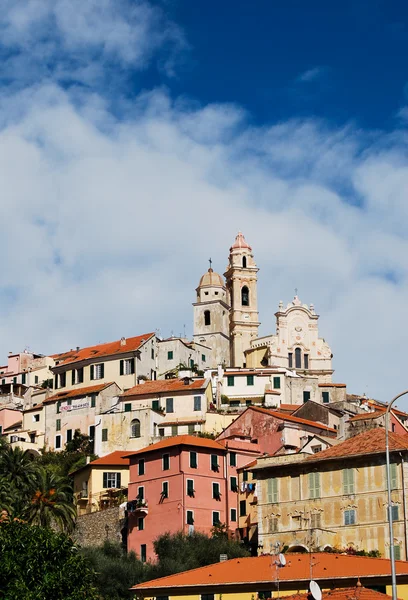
<point x="9" y="417"/>
<point x="182" y="510"/>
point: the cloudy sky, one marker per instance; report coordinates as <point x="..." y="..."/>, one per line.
<point x="137" y="138"/>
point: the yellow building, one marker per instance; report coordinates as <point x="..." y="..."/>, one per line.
<point x="336" y="498"/>
<point x="102" y="483"/>
<point x="263" y="577"/>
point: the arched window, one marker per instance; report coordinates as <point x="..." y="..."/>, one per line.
<point x="244" y="262"/>
<point x="207" y="317"/>
<point x="135" y="428"/>
<point x="245" y="296"/>
<point x="298" y="358"/>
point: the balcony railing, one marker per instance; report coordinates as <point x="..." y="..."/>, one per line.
<point x="137" y="506"/>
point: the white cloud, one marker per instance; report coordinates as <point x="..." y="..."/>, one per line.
<point x="311" y="75"/>
<point x="108" y="222"/>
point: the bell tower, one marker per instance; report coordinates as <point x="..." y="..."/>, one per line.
<point x="241" y="280"/>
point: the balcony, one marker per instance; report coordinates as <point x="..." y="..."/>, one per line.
<point x="137" y="507"/>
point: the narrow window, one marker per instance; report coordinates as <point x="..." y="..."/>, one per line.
<point x="190" y="517"/>
<point x="233" y="459"/>
<point x="143" y="555"/>
<point x="57" y="441"/>
<point x="165" y="489"/>
<point x="140" y="523"/>
<point x="140" y="493"/>
<point x="197" y="402"/>
<point x="207" y="317"/>
<point x="290" y="359"/>
<point x="348" y="481"/>
<point x="36" y="379"/>
<point x="214" y="462"/>
<point x="91" y="433"/>
<point x="314" y="485"/>
<point x="128" y="407"/>
<point x="174" y="430"/>
<point x="276" y="383"/>
<point x="349" y="517"/>
<point x="306" y="397"/>
<point x="233" y="484"/>
<point x="393" y="476"/>
<point x="250" y="380"/>
<point x="141" y="466"/>
<point x="191" y="429"/>
<point x="216" y="494"/>
<point x="242" y="508"/>
<point x="325" y="397"/>
<point x="63" y="380"/>
<point x="244" y="262"/>
<point x="394" y="512"/>
<point x="316" y="520"/>
<point x="69" y="435"/>
<point x="193" y="460"/>
<point x="397" y="552"/>
<point x="169" y="405"/>
<point x="15" y="380"/>
<point x="272" y="489"/>
<point x="306" y="360"/>
<point x="152" y="354"/>
<point x="93" y="401"/>
<point x="245" y="476"/>
<point x="155" y="405"/>
<point x="230" y="380"/>
<point x="170" y="355"/>
<point x="245" y="296"/>
<point x="135" y="429"/>
<point x="104" y="435"/>
<point x="298" y="358"/>
<point x="190" y="488"/>
<point x="166" y="462"/>
<point x="233" y="517"/>
<point x="58" y="425"/>
<point x="203" y="358"/>
<point x="23" y="378"/>
<point x="215" y="518"/>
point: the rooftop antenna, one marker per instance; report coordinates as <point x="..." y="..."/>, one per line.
<point x="279" y="563"/>
<point x="315" y="590"/>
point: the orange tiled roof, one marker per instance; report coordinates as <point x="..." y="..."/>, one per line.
<point x="116" y="458"/>
<point x="181" y="440"/>
<point x="355" y="593"/>
<point x="370" y="415"/>
<point x="285" y="417"/>
<point x="165" y="386"/>
<point x="368" y="442"/>
<point x="334" y="385"/>
<point x="257" y="570"/>
<point x="78" y="393"/>
<point x="102" y="350"/>
<point x="289" y="407"/>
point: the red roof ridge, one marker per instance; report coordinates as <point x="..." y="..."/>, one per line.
<point x="76" y="393"/>
<point x="165" y="385"/>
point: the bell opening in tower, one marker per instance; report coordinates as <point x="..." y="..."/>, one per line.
<point x="244" y="262"/>
<point x="245" y="296"/>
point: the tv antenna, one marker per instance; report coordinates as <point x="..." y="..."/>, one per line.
<point x="315" y="590"/>
<point x="279" y="563"/>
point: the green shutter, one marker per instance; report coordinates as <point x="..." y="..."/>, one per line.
<point x="121" y="370"/>
<point x="348" y="481"/>
<point x="272" y="489"/>
<point x="73" y="376"/>
<point x="397" y="552"/>
<point x="104" y="435"/>
<point x="102" y="370"/>
<point x="128" y="407"/>
<point x="314" y="485"/>
<point x="132" y="366"/>
<point x="276" y="383"/>
<point x="118" y="480"/>
<point x="393" y="476"/>
<point x="105" y="480"/>
<point x="92" y="372"/>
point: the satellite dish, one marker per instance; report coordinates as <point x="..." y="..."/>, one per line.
<point x="282" y="560"/>
<point x="315" y="590"/>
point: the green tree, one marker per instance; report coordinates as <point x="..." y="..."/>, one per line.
<point x="51" y="502"/>
<point x="39" y="564"/>
<point x="18" y="471"/>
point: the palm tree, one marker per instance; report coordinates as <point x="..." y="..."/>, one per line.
<point x="18" y="470"/>
<point x="51" y="502"/>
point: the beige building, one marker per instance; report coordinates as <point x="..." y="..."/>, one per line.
<point x="176" y="354"/>
<point x="102" y="483"/>
<point x="336" y="498"/>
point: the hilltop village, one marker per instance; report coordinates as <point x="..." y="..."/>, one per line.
<point x="226" y="429"/>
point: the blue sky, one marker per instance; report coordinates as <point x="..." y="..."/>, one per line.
<point x="138" y="137"/>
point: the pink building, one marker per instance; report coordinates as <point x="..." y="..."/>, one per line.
<point x="8" y="418"/>
<point x="183" y="483"/>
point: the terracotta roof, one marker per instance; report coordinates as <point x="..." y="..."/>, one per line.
<point x="78" y="393"/>
<point x="355" y="593"/>
<point x="181" y="440"/>
<point x="292" y="419"/>
<point x="240" y="242"/>
<point x="118" y="458"/>
<point x="289" y="407"/>
<point x="102" y="350"/>
<point x="36" y="407"/>
<point x="335" y="385"/>
<point x="255" y="570"/>
<point x="165" y="386"/>
<point x="368" y="442"/>
<point x="368" y="415"/>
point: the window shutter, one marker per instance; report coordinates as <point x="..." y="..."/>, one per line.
<point x="105" y="480"/>
<point x="118" y="477"/>
<point x="92" y="372"/>
<point x="314" y="485"/>
<point x="73" y="376"/>
<point x="121" y="367"/>
<point x="132" y="366"/>
<point x="102" y="370"/>
<point x="56" y="382"/>
<point x="269" y="491"/>
<point x="393" y="476"/>
<point x="274" y="490"/>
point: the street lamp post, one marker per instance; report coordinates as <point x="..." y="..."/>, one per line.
<point x="389" y="512"/>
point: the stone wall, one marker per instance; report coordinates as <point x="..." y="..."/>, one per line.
<point x="94" y="528"/>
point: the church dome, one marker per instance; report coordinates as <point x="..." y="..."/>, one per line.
<point x="240" y="242"/>
<point x="211" y="279"/>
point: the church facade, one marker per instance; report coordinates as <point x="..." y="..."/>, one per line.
<point x="226" y="320"/>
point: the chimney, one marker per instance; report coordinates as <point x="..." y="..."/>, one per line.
<point x="77" y="348"/>
<point x="123" y="341"/>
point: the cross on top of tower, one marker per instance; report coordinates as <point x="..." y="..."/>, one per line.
<point x="210" y="261"/>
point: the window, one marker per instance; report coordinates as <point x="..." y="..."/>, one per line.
<point x="155" y="405"/>
<point x="393" y="476"/>
<point x="174" y="430"/>
<point x="58" y="407"/>
<point x="207" y="597"/>
<point x="77" y="376"/>
<point x="197" y="402"/>
<point x="316" y="520"/>
<point x="394" y="512"/>
<point x="140" y="493"/>
<point x="233" y="484"/>
<point x="143" y="556"/>
<point x="242" y="508"/>
<point x="349" y="517"/>
<point x="104" y="435"/>
<point x="128" y="407"/>
<point x="127" y="366"/>
<point x="314" y="485"/>
<point x="325" y="397"/>
<point x="215" y="518"/>
<point x="193" y="460"/>
<point x="36" y="418"/>
<point x="245" y="476"/>
<point x="58" y="425"/>
<point x="14" y="380"/>
<point x="93" y="401"/>
<point x="140" y="523"/>
<point x="233" y="459"/>
<point x="306" y="360"/>
<point x="276" y="383"/>
<point x="166" y="462"/>
<point x="348" y="481"/>
<point x="191" y="429"/>
<point x="3" y="382"/>
<point x="397" y="552"/>
<point x="170" y="355"/>
<point x="97" y="371"/>
<point x="207" y="317"/>
<point x="230" y="380"/>
<point x="273" y="524"/>
<point x="91" y="433"/>
<point x="191" y="363"/>
<point x="69" y="402"/>
<point x="245" y="296"/>
<point x="161" y="431"/>
<point x="190" y="488"/>
<point x="214" y="462"/>
<point x="57" y="441"/>
<point x="69" y="435"/>
<point x="32" y="437"/>
<point x="272" y="489"/>
<point x="152" y="354"/>
<point x="63" y="379"/>
<point x="165" y="489"/>
<point x="141" y="466"/>
<point x="298" y="358"/>
<point x="203" y="357"/>
<point x="250" y="380"/>
<point x="111" y="480"/>
<point x="233" y="516"/>
<point x="190" y="517"/>
<point x="23" y="378"/>
<point x="244" y="262"/>
<point x="135" y="428"/>
<point x="216" y="494"/>
<point x="162" y="598"/>
<point x="169" y="405"/>
<point x="306" y="396"/>
<point x="36" y="379"/>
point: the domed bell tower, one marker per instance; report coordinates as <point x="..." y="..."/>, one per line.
<point x="241" y="279"/>
<point x="211" y="318"/>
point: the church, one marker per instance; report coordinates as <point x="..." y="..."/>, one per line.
<point x="226" y="320"/>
